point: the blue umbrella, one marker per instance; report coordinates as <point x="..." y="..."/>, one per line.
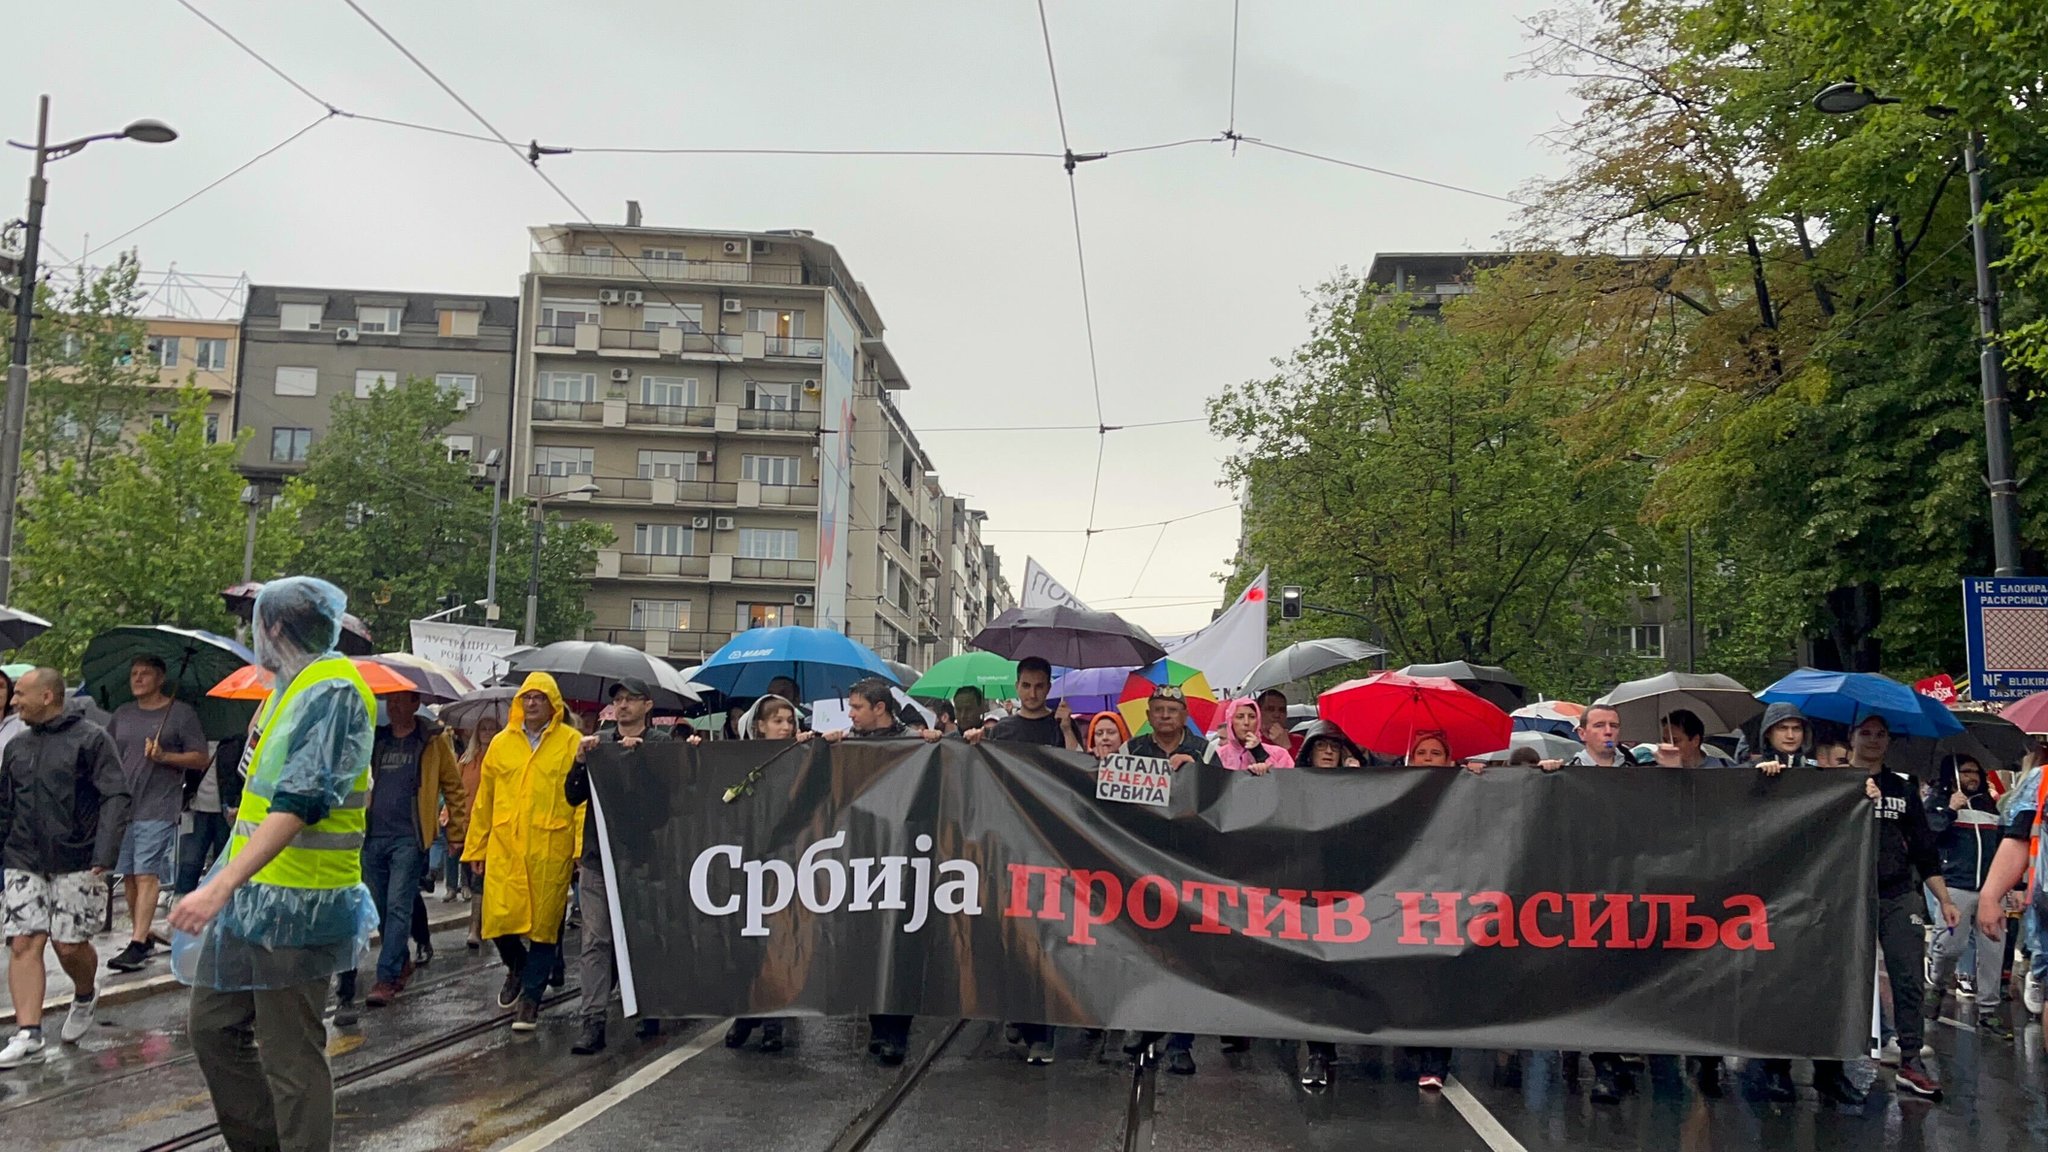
<point x="823" y="663"/>
<point x="1850" y="697"/>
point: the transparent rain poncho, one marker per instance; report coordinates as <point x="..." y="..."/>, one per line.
<point x="270" y="935"/>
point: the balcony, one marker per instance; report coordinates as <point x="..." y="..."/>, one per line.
<point x="652" y="564"/>
<point x="797" y="346"/>
<point x="778" y="420"/>
<point x="928" y="564"/>
<point x="673" y="271"/>
<point x="661" y="641"/>
<point x="664" y="490"/>
<point x="671" y="415"/>
<point x="665" y="339"/>
<point x="749" y="568"/>
<point x="789" y="495"/>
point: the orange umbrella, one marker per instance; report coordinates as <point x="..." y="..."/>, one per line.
<point x="253" y="682"/>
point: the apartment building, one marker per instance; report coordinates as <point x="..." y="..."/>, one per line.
<point x="962" y="596"/>
<point x="303" y="348"/>
<point x="892" y="595"/>
<point x="203" y="353"/>
<point x="694" y="390"/>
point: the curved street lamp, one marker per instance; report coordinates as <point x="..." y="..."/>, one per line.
<point x="540" y="527"/>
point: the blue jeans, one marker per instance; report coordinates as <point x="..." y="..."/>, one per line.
<point x="197" y="848"/>
<point x="2036" y="927"/>
<point x="391" y="869"/>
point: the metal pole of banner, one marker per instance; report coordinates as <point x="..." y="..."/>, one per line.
<point x="533" y="573"/>
<point x="497" y="503"/>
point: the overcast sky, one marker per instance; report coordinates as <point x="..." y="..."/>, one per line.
<point x="1197" y="259"/>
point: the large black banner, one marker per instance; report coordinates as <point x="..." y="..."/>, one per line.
<point x="1646" y="910"/>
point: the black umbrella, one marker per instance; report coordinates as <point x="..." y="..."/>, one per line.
<point x="586" y="670"/>
<point x="1494" y="684"/>
<point x="1992" y="741"/>
<point x="1306" y="658"/>
<point x="1069" y="637"/>
<point x="193" y="662"/>
<point x="18" y="627"/>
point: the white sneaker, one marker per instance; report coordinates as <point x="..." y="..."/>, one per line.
<point x="1889" y="1054"/>
<point x="78" y="1021"/>
<point x="1927" y="1048"/>
<point x="25" y="1048"/>
<point x="2031" y="994"/>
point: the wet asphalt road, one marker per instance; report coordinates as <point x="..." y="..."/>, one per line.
<point x="132" y="1083"/>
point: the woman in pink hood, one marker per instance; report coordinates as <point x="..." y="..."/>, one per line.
<point x="1237" y="745"/>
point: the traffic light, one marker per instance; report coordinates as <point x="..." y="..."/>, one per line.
<point x="1290" y="602"/>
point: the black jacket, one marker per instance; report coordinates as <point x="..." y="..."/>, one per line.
<point x="1906" y="853"/>
<point x="1967" y="838"/>
<point x="63" y="798"/>
<point x="576" y="788"/>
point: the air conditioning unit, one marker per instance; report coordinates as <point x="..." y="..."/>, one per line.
<point x="607" y="295"/>
<point x="622" y="375"/>
<point x="1650" y="591"/>
<point x="735" y="247"/>
<point x="730" y="305"/>
<point x="704" y="456"/>
<point x="345" y="335"/>
<point x="724" y="524"/>
<point x="700" y="522"/>
<point x="811" y="387"/>
<point x="763" y="247"/>
<point x="479" y="471"/>
<point x="461" y="403"/>
<point x="804" y="599"/>
<point x="634" y="298"/>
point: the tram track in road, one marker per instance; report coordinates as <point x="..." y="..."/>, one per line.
<point x="408" y="1055"/>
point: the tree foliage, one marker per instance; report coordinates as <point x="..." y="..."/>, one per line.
<point x="399" y="525"/>
<point x="153" y="539"/>
<point x="90" y="372"/>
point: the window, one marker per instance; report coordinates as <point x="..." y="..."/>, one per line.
<point x="166" y="349"/>
<point x="459" y="321"/>
<point x="597" y="250"/>
<point x="660" y="616"/>
<point x="768" y="543"/>
<point x="298" y="381"/>
<point x="770" y="469"/>
<point x="288" y="445"/>
<point x="379" y="319"/>
<point x="775" y="321"/>
<point x="565" y="313"/>
<point x="688" y="317"/>
<point x="678" y="391"/>
<point x="663" y="254"/>
<point x="763" y="616"/>
<point x="298" y="317"/>
<point x="210" y="354"/>
<point x="664" y="539"/>
<point x="213" y="427"/>
<point x="575" y="386"/>
<point x="460" y="447"/>
<point x="369" y="380"/>
<point x="1647" y="641"/>
<point x="457" y="386"/>
<point x="106" y="427"/>
<point x="558" y="460"/>
<point x="658" y="464"/>
<point x="771" y="397"/>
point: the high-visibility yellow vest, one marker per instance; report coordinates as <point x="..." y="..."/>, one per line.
<point x="323" y="855"/>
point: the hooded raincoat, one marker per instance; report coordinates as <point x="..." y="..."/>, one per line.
<point x="1232" y="753"/>
<point x="522" y="828"/>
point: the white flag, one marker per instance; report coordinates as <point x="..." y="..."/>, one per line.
<point x="1042" y="591"/>
<point x="1232" y="645"/>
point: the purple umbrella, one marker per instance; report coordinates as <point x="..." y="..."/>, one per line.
<point x="1090" y="690"/>
<point x="1068" y="636"/>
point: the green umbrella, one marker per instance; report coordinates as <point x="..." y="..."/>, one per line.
<point x="194" y="661"/>
<point x="995" y="676"/>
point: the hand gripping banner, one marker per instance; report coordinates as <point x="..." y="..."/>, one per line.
<point x="1636" y="910"/>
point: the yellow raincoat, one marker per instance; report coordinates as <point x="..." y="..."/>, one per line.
<point x="521" y="829"/>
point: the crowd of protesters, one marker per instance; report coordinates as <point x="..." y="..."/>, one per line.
<point x="320" y="804"/>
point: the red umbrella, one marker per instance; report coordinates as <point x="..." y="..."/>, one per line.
<point x="2030" y="713"/>
<point x="1384" y="711"/>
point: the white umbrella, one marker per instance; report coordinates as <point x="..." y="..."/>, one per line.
<point x="1306" y="658"/>
<point x="1719" y="701"/>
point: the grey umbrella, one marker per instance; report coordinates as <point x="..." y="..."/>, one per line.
<point x="1306" y="658"/>
<point x="467" y="712"/>
<point x="1548" y="745"/>
<point x="18" y="627"/>
<point x="1721" y="703"/>
<point x="586" y="670"/>
<point x="1489" y="682"/>
<point x="1068" y="637"/>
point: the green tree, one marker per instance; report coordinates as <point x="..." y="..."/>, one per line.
<point x="399" y="526"/>
<point x="90" y="372"/>
<point x="1401" y="470"/>
<point x="153" y="540"/>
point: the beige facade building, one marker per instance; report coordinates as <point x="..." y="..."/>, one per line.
<point x="203" y="353"/>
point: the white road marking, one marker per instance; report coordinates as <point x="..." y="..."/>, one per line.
<point x="619" y="1093"/>
<point x="1483" y="1122"/>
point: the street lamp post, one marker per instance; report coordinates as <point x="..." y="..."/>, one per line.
<point x="1847" y="97"/>
<point x="540" y="523"/>
<point x="497" y="503"/>
<point x="16" y="408"/>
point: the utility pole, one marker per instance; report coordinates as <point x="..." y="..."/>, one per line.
<point x="16" y="409"/>
<point x="2005" y="497"/>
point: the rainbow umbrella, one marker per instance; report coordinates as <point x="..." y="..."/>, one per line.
<point x="1136" y="697"/>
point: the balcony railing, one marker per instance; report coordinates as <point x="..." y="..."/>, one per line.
<point x="679" y="271"/>
<point x="778" y="420"/>
<point x="701" y="643"/>
<point x="644" y="340"/>
<point x="799" y="346"/>
<point x="672" y="415"/>
<point x="651" y="564"/>
<point x="789" y="495"/>
<point x="749" y="568"/>
<point x="636" y="489"/>
<point x="577" y="411"/>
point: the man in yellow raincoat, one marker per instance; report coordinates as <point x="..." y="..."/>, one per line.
<point x="524" y="838"/>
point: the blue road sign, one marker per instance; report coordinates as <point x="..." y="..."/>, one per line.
<point x="2005" y="622"/>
